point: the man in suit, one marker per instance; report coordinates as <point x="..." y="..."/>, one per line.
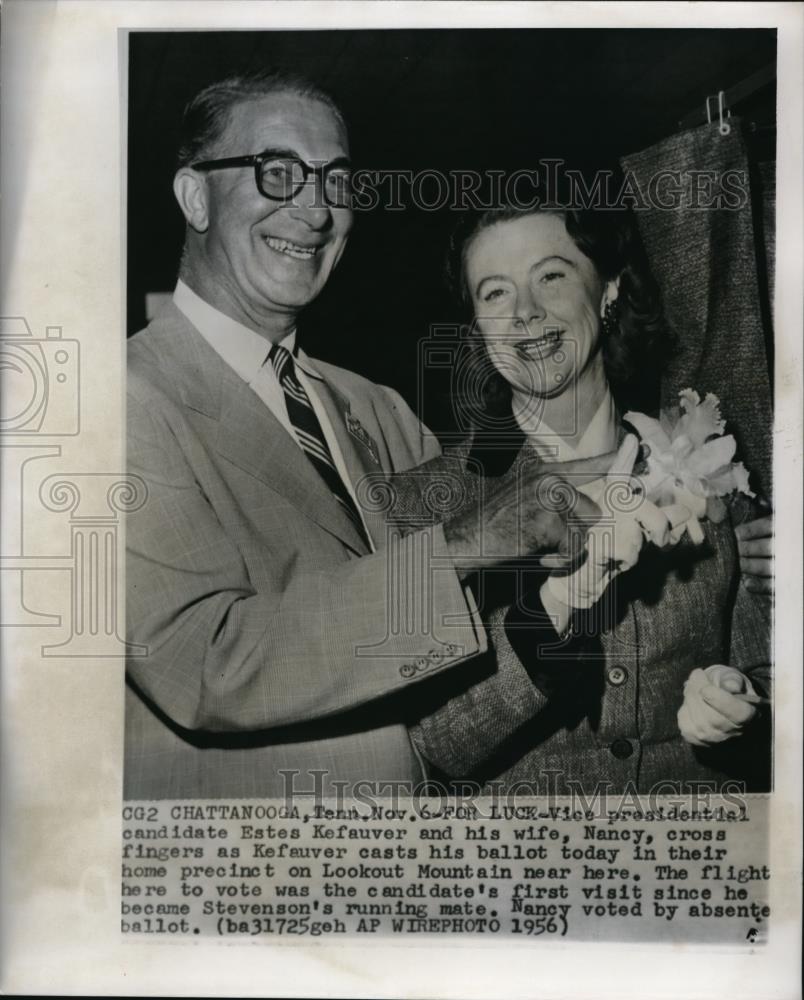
<point x="287" y="629"/>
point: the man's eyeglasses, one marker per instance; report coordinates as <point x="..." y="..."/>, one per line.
<point x="281" y="177"/>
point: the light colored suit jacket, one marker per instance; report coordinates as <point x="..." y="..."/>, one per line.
<point x="276" y="642"/>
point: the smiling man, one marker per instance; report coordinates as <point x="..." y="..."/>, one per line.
<point x="261" y="241"/>
<point x="277" y="647"/>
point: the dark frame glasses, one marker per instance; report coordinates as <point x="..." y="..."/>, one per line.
<point x="292" y="174"/>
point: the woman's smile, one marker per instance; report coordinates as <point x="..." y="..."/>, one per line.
<point x="540" y="347"/>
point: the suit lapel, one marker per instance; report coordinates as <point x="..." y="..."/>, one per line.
<point x="357" y="450"/>
<point x="248" y="434"/>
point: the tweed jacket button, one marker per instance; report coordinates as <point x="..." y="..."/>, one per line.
<point x="621" y="749"/>
<point x="421" y="663"/>
<point x="617" y="676"/>
<point x="406" y="670"/>
<point x="450" y="649"/>
<point x="435" y="655"/>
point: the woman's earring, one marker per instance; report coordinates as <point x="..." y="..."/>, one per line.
<point x="611" y="318"/>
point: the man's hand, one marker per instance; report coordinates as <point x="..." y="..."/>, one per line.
<point x="718" y="703"/>
<point x="755" y="546"/>
<point x="522" y="515"/>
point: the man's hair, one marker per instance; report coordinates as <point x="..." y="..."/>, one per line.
<point x="207" y="114"/>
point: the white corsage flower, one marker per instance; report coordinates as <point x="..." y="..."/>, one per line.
<point x="689" y="459"/>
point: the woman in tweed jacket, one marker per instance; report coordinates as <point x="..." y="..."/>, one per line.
<point x="630" y="691"/>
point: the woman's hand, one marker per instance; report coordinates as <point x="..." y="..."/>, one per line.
<point x="755" y="546"/>
<point x="612" y="545"/>
<point x="719" y="702"/>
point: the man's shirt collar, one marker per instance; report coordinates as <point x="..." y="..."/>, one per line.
<point x="244" y="350"/>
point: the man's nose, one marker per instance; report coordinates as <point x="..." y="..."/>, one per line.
<point x="310" y="205"/>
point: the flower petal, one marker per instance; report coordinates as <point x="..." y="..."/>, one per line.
<point x="690" y="459"/>
<point x="732" y="477"/>
<point x="701" y="420"/>
<point x="709" y="458"/>
<point x="668" y="418"/>
<point x="649" y="430"/>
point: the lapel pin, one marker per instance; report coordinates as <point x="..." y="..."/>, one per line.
<point x="357" y="430"/>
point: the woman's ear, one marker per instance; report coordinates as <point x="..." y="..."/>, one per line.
<point x="611" y="292"/>
<point x="190" y="190"/>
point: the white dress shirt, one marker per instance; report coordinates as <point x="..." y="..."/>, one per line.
<point x="246" y="353"/>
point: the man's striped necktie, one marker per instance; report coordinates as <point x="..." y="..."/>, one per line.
<point x="309" y="433"/>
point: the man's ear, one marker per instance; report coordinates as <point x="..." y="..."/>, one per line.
<point x="190" y="190"/>
<point x="611" y="292"/>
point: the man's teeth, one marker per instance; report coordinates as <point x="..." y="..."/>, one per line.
<point x="291" y="249"/>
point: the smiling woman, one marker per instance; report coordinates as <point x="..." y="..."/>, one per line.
<point x="538" y="302"/>
<point x="609" y="674"/>
<point x="556" y="261"/>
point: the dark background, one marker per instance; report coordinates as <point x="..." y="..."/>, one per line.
<point x="416" y="99"/>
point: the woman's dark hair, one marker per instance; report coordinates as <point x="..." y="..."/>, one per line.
<point x="207" y="114"/>
<point x="636" y="352"/>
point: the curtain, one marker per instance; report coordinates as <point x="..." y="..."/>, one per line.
<point x="766" y="183"/>
<point x="707" y="261"/>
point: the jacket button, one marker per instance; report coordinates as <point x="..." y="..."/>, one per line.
<point x="435" y="655"/>
<point x="617" y="676"/>
<point x="621" y="749"/>
<point x="406" y="670"/>
<point x="450" y="649"/>
<point x="421" y="663"/>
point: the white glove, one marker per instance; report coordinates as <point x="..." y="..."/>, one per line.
<point x="613" y="545"/>
<point x="718" y="703"/>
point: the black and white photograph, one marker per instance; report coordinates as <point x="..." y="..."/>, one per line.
<point x="434" y="261"/>
<point x="428" y="512"/>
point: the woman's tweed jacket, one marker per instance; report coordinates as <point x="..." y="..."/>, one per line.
<point x="599" y="711"/>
